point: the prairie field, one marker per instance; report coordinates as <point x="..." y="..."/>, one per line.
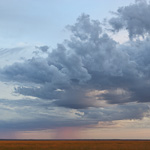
<point x="74" y="145"/>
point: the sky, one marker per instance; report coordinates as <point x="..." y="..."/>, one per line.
<point x="74" y="69"/>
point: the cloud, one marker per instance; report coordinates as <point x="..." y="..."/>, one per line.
<point x="36" y="114"/>
<point x="90" y="60"/>
<point x="118" y="112"/>
<point x="133" y="18"/>
<point x="88" y="78"/>
<point x="21" y="52"/>
<point x="42" y="48"/>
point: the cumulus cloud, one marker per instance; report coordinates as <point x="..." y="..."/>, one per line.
<point x="89" y="60"/>
<point x="90" y="72"/>
<point x="134" y="18"/>
<point x="42" y="48"/>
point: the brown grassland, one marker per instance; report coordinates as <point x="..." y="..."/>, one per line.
<point x="75" y="145"/>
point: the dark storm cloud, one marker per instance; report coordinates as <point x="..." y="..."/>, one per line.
<point x="36" y="114"/>
<point x="35" y="70"/>
<point x="120" y="112"/>
<point x="86" y="79"/>
<point x="90" y="61"/>
<point x="75" y="98"/>
<point x="134" y="18"/>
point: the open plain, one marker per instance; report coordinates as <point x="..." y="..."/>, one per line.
<point x="74" y="145"/>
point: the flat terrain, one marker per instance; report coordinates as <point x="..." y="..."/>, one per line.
<point x="74" y="145"/>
